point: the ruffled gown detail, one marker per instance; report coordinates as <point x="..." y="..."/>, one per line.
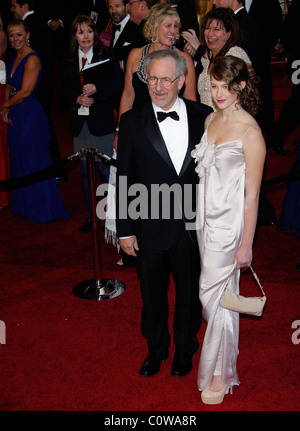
<point x="28" y="142"/>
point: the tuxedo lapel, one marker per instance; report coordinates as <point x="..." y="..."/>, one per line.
<point x="151" y="129"/>
<point x="125" y="36"/>
<point x="121" y="39"/>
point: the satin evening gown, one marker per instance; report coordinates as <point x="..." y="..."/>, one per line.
<point x="219" y="223"/>
<point x="28" y="142"/>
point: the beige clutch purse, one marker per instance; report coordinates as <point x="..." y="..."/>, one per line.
<point x="253" y="305"/>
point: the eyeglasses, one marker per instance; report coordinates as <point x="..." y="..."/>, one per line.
<point x="165" y="82"/>
<point x="132" y="2"/>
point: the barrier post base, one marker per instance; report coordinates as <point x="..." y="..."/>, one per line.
<point x="98" y="290"/>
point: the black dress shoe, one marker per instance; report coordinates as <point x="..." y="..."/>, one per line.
<point x="283" y="152"/>
<point x="86" y="227"/>
<point x="182" y="364"/>
<point x="151" y="364"/>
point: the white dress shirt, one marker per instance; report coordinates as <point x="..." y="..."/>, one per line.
<point x="30" y="12"/>
<point x="175" y="133"/>
<point x="88" y="55"/>
<point x="236" y="11"/>
<point x="248" y="4"/>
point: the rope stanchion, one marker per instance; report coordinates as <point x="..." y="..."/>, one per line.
<point x="99" y="288"/>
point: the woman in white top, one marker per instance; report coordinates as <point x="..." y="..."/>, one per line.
<point x="220" y="36"/>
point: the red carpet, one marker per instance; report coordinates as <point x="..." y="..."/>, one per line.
<point x="67" y="354"/>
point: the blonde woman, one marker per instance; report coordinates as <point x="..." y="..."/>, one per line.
<point x="28" y="135"/>
<point x="161" y="30"/>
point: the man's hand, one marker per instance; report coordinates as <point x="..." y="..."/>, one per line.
<point x="129" y="245"/>
<point x="54" y="24"/>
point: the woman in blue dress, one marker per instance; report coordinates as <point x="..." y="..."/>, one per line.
<point x="28" y="135"/>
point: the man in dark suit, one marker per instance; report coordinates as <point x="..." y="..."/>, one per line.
<point x="138" y="10"/>
<point x="95" y="9"/>
<point x="126" y="34"/>
<point x="155" y="153"/>
<point x="267" y="15"/>
<point x="289" y="116"/>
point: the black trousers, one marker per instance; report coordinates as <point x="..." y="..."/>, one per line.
<point x="154" y="269"/>
<point x="288" y="119"/>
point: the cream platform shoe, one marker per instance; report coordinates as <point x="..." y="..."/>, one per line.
<point x="211" y="397"/>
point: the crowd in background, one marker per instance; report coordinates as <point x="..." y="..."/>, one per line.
<point x="124" y="31"/>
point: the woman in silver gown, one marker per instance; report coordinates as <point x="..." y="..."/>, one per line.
<point x="230" y="160"/>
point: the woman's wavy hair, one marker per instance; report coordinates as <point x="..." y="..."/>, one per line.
<point x="155" y="17"/>
<point x="234" y="71"/>
<point x="227" y="19"/>
<point x="79" y="21"/>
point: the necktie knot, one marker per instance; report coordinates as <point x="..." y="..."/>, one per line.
<point x="161" y="116"/>
<point x="116" y="27"/>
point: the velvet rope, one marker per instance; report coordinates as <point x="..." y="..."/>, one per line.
<point x="50" y="171"/>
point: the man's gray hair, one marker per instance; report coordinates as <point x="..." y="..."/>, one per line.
<point x="180" y="61"/>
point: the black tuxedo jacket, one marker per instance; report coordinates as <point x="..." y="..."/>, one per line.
<point x="56" y="9"/>
<point x="143" y="159"/>
<point x="101" y="120"/>
<point x="85" y="7"/>
<point x="249" y="33"/>
<point x="38" y="39"/>
<point x="129" y="38"/>
<point x="267" y="15"/>
<point x="290" y="37"/>
<point x="188" y="18"/>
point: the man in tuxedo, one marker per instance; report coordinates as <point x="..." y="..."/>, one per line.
<point x="155" y="152"/>
<point x="138" y="10"/>
<point x="126" y="33"/>
<point x="289" y="116"/>
<point x="267" y="15"/>
<point x="58" y="15"/>
<point x="247" y="26"/>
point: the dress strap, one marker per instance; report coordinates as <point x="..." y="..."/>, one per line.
<point x="210" y="120"/>
<point x="250" y="127"/>
<point x="140" y="71"/>
<point x="211" y="117"/>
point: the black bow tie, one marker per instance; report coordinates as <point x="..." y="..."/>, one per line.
<point x="161" y="116"/>
<point x="116" y="27"/>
